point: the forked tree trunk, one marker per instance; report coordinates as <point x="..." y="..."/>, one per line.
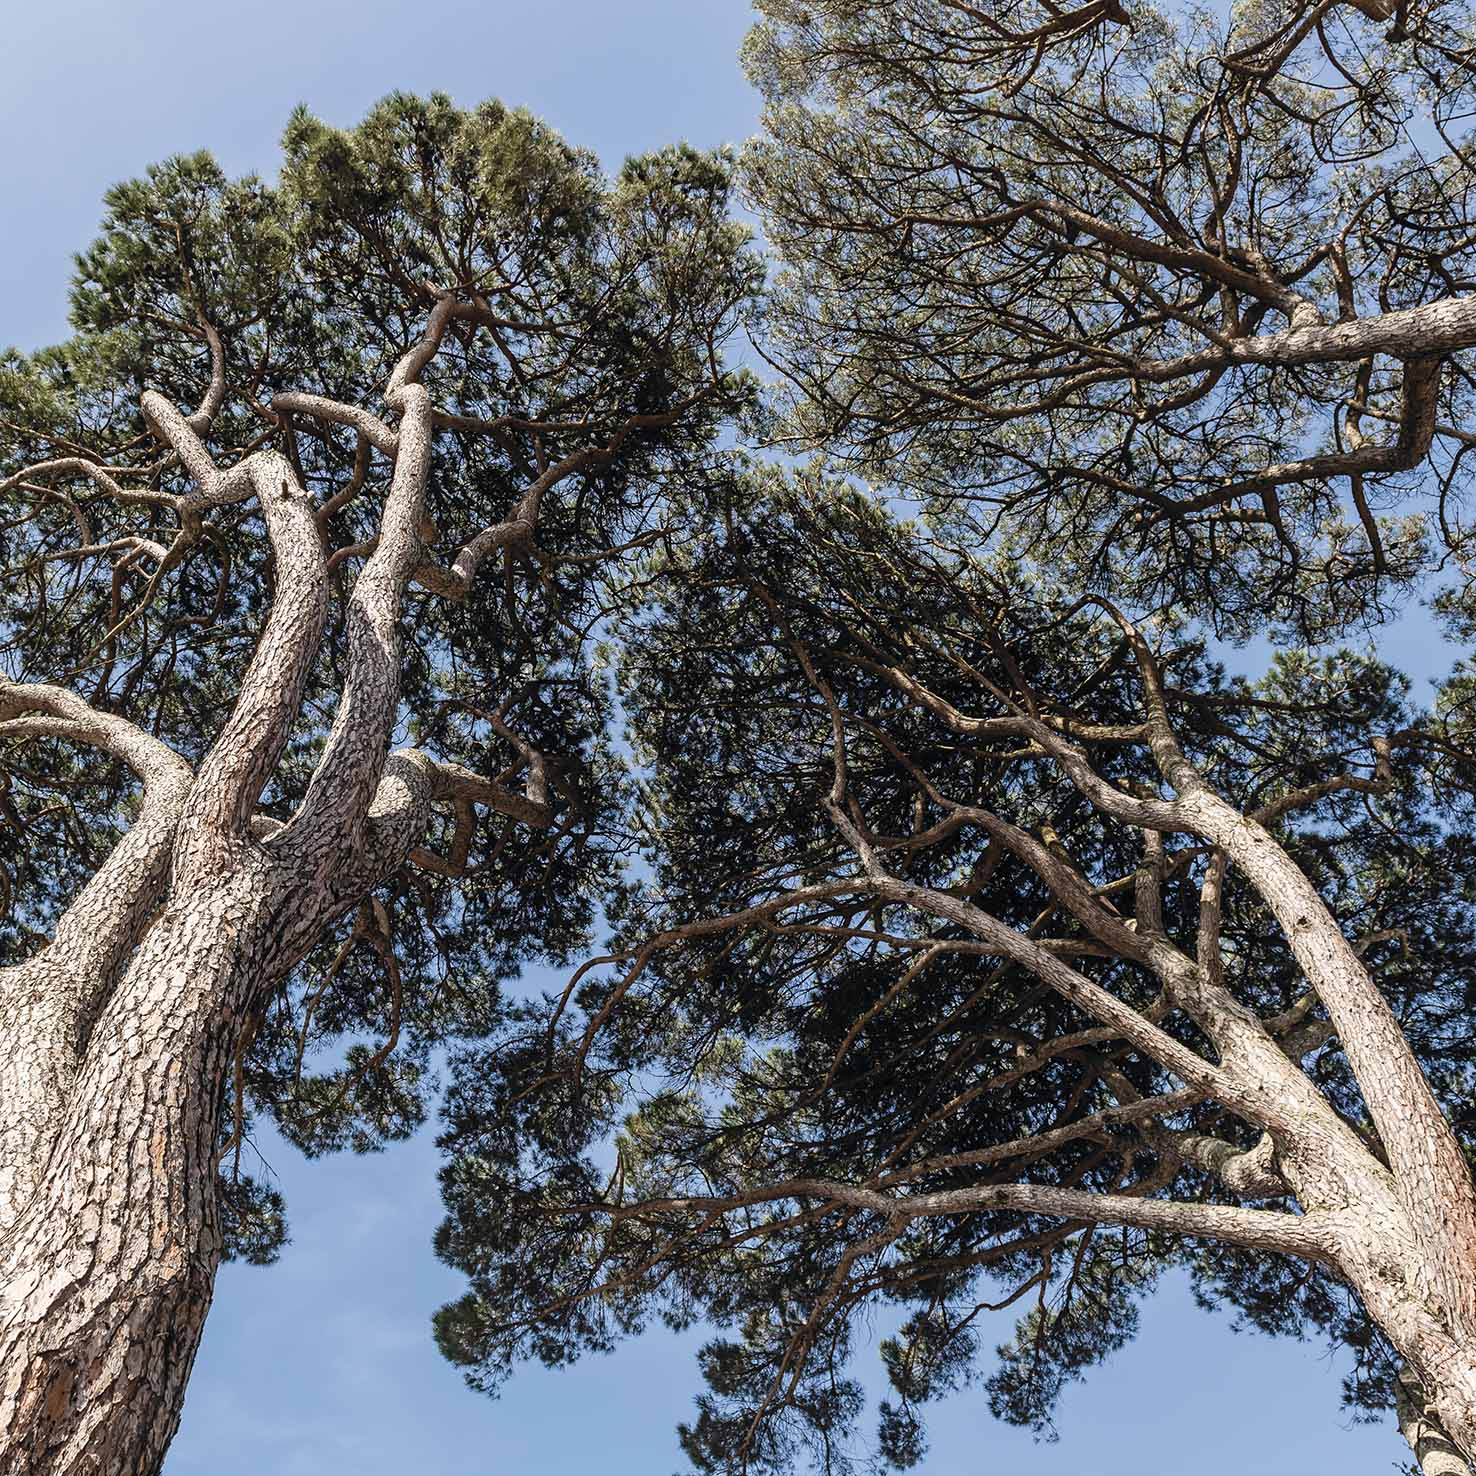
<point x="106" y="1277"/>
<point x="111" y="1088"/>
<point x="109" y="1230"/>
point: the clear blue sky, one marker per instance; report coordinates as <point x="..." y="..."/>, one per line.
<point x="324" y="1364"/>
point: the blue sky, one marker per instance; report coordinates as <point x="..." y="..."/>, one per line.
<point x="324" y="1363"/>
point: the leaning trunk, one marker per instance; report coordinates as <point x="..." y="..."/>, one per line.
<point x="107" y="1274"/>
<point x="1379" y="1257"/>
<point x="1440" y="1424"/>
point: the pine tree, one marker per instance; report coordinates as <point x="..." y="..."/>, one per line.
<point x="308" y="531"/>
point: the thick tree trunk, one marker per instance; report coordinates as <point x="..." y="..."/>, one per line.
<point x="1440" y="1363"/>
<point x="48" y="1003"/>
<point x="106" y="1276"/>
<point x="1448" y="1425"/>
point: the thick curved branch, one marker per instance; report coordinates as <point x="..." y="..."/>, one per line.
<point x="1432" y="330"/>
<point x="48" y="1002"/>
<point x="214" y="397"/>
<point x="213" y="487"/>
<point x="453" y="781"/>
<point x="319" y="407"/>
<point x="249" y="746"/>
<point x="96" y="924"/>
<point x="1312" y="1237"/>
<point x="1250" y="1172"/>
<point x="1411" y="446"/>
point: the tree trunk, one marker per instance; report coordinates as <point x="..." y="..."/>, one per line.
<point x="1431" y="1446"/>
<point x="107" y="1274"/>
<point x="1441" y="1427"/>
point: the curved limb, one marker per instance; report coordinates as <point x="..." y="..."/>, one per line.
<point x="48" y="1002"/>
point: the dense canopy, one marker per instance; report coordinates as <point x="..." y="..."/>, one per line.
<point x="306" y="740"/>
<point x="1164" y="307"/>
<point x="1172" y="297"/>
<point x="577" y="389"/>
<point x="814" y="1022"/>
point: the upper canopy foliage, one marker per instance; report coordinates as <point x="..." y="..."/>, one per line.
<point x="1079" y="275"/>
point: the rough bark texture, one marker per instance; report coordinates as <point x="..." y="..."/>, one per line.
<point x="47" y="1004"/>
<point x="1429" y="1443"/>
<point x="109" y="1270"/>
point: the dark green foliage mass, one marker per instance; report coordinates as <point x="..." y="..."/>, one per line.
<point x="622" y="1153"/>
<point x="1021" y="242"/>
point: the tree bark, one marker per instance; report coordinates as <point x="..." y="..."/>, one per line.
<point x="106" y="1276"/>
<point x="48" y="1003"/>
<point x="108" y="1264"/>
<point x="119" y="1034"/>
<point x="1430" y="1444"/>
